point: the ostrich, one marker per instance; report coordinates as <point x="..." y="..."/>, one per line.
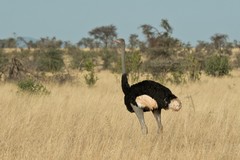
<point x="146" y="96"/>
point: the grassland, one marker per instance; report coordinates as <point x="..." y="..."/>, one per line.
<point x="77" y="122"/>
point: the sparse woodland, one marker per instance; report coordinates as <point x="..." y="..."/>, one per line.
<point x="160" y="56"/>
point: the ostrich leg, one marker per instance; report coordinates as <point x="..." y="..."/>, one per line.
<point x="157" y="115"/>
<point x="139" y="112"/>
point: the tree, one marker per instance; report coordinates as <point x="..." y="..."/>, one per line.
<point x="29" y="44"/>
<point x="68" y="45"/>
<point x="155" y="38"/>
<point x="220" y="44"/>
<point x="86" y="42"/>
<point x="236" y="44"/>
<point x="49" y="43"/>
<point x="50" y="60"/>
<point x="163" y="52"/>
<point x="165" y="25"/>
<point x="8" y="43"/>
<point x="160" y="43"/>
<point x="11" y="43"/>
<point x="134" y="41"/>
<point x="219" y="40"/>
<point x="104" y="34"/>
<point x="150" y="34"/>
<point x="147" y="31"/>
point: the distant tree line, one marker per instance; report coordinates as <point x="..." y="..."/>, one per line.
<point x="159" y="56"/>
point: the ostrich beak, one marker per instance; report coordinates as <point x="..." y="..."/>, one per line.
<point x="117" y="41"/>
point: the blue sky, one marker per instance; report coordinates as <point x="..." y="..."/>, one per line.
<point x="71" y="20"/>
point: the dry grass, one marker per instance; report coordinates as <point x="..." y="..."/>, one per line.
<point x="76" y="122"/>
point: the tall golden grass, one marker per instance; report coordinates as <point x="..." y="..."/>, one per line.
<point x="77" y="122"/>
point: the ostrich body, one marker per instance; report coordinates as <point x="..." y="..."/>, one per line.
<point x="146" y="96"/>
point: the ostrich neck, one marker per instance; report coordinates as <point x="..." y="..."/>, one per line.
<point x="123" y="60"/>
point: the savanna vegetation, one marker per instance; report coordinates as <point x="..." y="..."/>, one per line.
<point x="60" y="100"/>
<point x="160" y="56"/>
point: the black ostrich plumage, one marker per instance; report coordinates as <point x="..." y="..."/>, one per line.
<point x="161" y="94"/>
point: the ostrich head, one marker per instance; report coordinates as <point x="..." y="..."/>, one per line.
<point x="121" y="44"/>
<point x="120" y="41"/>
<point x="175" y="104"/>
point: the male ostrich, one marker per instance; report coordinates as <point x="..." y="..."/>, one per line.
<point x="146" y="96"/>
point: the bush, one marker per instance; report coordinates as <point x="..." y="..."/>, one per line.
<point x="84" y="60"/>
<point x="177" y="77"/>
<point x="79" y="58"/>
<point x="32" y="86"/>
<point x="133" y="65"/>
<point x="3" y="61"/>
<point x="50" y="60"/>
<point x="157" y="68"/>
<point x="90" y="77"/>
<point x="193" y="67"/>
<point x="237" y="61"/>
<point x="89" y="65"/>
<point x="217" y="65"/>
<point x="108" y="57"/>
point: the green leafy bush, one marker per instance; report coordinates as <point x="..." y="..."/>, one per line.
<point x="89" y="65"/>
<point x="32" y="86"/>
<point x="90" y="77"/>
<point x="217" y="65"/>
<point x="50" y="60"/>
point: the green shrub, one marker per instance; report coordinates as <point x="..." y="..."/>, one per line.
<point x="133" y="65"/>
<point x="90" y="77"/>
<point x="217" y="65"/>
<point x="79" y="58"/>
<point x="32" y="86"/>
<point x="134" y="62"/>
<point x="50" y="60"/>
<point x="85" y="60"/>
<point x="89" y="65"/>
<point x="108" y="57"/>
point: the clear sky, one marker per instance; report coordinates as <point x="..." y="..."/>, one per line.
<point x="71" y="20"/>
